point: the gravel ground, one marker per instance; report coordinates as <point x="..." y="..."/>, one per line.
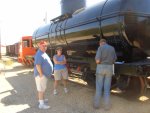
<point x="18" y="95"/>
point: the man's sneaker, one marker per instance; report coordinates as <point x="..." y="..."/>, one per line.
<point x="95" y="107"/>
<point x="107" y="107"/>
<point x="55" y="92"/>
<point x="43" y="106"/>
<point x="46" y="100"/>
<point x="65" y="90"/>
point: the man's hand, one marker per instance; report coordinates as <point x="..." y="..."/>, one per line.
<point x="97" y="61"/>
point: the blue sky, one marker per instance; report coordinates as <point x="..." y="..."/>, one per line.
<point x="21" y="17"/>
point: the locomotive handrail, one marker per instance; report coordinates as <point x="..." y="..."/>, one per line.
<point x="61" y="17"/>
<point x="49" y="34"/>
<point x="65" y="32"/>
<point x="61" y="29"/>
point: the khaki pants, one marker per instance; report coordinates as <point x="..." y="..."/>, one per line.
<point x="59" y="74"/>
<point x="41" y="83"/>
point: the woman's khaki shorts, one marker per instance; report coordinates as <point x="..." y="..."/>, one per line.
<point x="41" y="83"/>
<point x="59" y="74"/>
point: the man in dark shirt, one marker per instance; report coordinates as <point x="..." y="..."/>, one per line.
<point x="105" y="57"/>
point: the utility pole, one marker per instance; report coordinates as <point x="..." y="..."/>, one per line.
<point x="45" y="18"/>
<point x="0" y="41"/>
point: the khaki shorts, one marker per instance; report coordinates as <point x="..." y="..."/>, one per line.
<point x="41" y="83"/>
<point x="59" y="74"/>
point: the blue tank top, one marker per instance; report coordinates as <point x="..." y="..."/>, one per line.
<point x="59" y="66"/>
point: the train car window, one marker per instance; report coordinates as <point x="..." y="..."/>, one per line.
<point x="26" y="43"/>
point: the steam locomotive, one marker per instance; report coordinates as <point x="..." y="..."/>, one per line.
<point x="125" y="24"/>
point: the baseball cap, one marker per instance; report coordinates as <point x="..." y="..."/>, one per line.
<point x="102" y="40"/>
<point x="42" y="42"/>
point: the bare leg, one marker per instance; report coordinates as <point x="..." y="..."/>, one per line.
<point x="55" y="84"/>
<point x="41" y="101"/>
<point x="65" y="83"/>
<point x="41" y="95"/>
<point x="41" y="98"/>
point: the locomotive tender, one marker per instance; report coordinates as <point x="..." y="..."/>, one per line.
<point x="125" y="24"/>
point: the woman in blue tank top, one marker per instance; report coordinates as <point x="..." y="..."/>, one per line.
<point x="60" y="70"/>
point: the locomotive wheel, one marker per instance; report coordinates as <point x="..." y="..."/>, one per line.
<point x="137" y="84"/>
<point x="122" y="82"/>
<point x="88" y="76"/>
<point x="85" y="73"/>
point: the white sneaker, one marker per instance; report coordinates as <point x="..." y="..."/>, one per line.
<point x="65" y="90"/>
<point x="43" y="106"/>
<point x="55" y="92"/>
<point x="46" y="100"/>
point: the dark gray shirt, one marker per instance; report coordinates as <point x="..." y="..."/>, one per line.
<point x="106" y="54"/>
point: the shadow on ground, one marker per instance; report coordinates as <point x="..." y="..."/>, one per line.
<point x="21" y="94"/>
<point x="24" y="91"/>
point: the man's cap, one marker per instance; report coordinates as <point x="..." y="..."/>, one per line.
<point x="42" y="42"/>
<point x="102" y="40"/>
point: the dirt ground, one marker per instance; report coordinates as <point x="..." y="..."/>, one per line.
<point x="18" y="95"/>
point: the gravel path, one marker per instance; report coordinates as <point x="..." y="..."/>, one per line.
<point x="18" y="95"/>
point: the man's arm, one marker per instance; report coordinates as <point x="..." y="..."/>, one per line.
<point x="64" y="61"/>
<point x="59" y="62"/>
<point x="55" y="61"/>
<point x="39" y="69"/>
<point x="115" y="56"/>
<point x="98" y="56"/>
